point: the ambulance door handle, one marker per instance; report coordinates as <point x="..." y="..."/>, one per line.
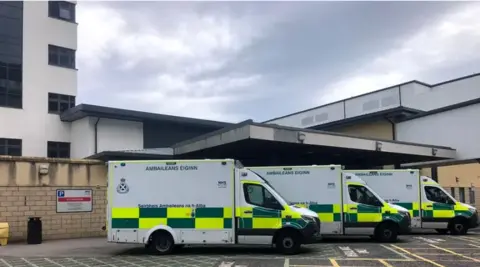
<point x="429" y="206"/>
<point x="248" y="211"/>
<point x="353" y="208"/>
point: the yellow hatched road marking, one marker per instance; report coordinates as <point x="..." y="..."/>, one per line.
<point x="417" y="256"/>
<point x="334" y="263"/>
<point x="385" y="263"/>
<point x="455" y="253"/>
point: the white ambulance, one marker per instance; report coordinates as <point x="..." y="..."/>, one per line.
<point x="343" y="202"/>
<point x="430" y="206"/>
<point x="170" y="203"/>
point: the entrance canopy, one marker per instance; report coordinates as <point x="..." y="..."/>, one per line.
<point x="257" y="144"/>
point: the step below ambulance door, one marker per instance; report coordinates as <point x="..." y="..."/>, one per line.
<point x="362" y="210"/>
<point x="437" y="207"/>
<point x="259" y="214"/>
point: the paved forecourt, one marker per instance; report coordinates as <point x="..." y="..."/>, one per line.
<point x="412" y="250"/>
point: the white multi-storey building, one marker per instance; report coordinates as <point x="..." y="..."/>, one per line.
<point x="38" y="78"/>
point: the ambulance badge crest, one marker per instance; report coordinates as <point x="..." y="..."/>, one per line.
<point x="123" y="188"/>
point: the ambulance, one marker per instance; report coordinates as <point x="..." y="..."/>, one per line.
<point x="343" y="202"/>
<point x="430" y="206"/>
<point x="166" y="204"/>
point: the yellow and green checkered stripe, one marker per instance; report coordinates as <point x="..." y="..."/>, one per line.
<point x="369" y="214"/>
<point x="440" y="210"/>
<point x="147" y="218"/>
<point x="326" y="212"/>
<point x="268" y="219"/>
<point x="412" y="207"/>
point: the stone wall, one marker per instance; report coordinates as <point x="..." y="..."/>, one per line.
<point x="25" y="192"/>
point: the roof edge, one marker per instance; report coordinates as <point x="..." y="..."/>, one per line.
<point x="443" y="109"/>
<point x="85" y="110"/>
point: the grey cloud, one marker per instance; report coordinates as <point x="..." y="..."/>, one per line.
<point x="314" y="45"/>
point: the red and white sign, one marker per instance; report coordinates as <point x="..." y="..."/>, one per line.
<point x="74" y="200"/>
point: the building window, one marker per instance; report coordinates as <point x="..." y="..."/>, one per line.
<point x="61" y="10"/>
<point x="10" y="147"/>
<point x="58" y="149"/>
<point x="471" y="193"/>
<point x="10" y="85"/>
<point x="452" y="191"/>
<point x="461" y="194"/>
<point x="58" y="103"/>
<point x="11" y="39"/>
<point x="61" y="56"/>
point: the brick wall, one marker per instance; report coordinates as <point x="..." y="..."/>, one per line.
<point x="27" y="192"/>
<point x="17" y="204"/>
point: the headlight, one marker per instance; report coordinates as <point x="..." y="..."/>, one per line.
<point x="472" y="210"/>
<point x="308" y="218"/>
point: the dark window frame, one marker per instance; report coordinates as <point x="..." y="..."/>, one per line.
<point x="247" y="197"/>
<point x="427" y="189"/>
<point x="471" y="195"/>
<point x="452" y="191"/>
<point x="58" y="149"/>
<point x="57" y="54"/>
<point x="59" y="100"/>
<point x="55" y="7"/>
<point x="461" y="194"/>
<point x="375" y="203"/>
<point x="11" y="147"/>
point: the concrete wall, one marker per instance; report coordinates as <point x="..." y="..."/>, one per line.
<point x="455" y="128"/>
<point x="426" y="98"/>
<point x="381" y="129"/>
<point x="33" y="124"/>
<point x="25" y="193"/>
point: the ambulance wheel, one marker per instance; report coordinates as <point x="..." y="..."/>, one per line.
<point x="442" y="231"/>
<point x="161" y="243"/>
<point x="288" y="241"/>
<point x="386" y="232"/>
<point x="458" y="226"/>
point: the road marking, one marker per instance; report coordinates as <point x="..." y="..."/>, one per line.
<point x="385" y="263"/>
<point x="396" y="252"/>
<point x="455" y="253"/>
<point x="348" y="251"/>
<point x="77" y="262"/>
<point x="29" y="262"/>
<point x="370" y="259"/>
<point x="476" y="246"/>
<point x="49" y="260"/>
<point x="334" y="263"/>
<point x="361" y="251"/>
<point x="226" y="264"/>
<point x="286" y="263"/>
<point x="6" y="263"/>
<point x="463" y="238"/>
<point x="417" y="256"/>
<point x="429" y="240"/>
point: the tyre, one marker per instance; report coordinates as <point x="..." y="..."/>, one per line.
<point x="162" y="243"/>
<point x="288" y="242"/>
<point x="442" y="231"/>
<point x="386" y="232"/>
<point x="458" y="227"/>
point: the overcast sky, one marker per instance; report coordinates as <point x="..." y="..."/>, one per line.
<point x="233" y="61"/>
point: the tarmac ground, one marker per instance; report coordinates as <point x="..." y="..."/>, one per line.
<point x="411" y="250"/>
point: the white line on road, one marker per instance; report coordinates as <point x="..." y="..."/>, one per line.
<point x="226" y="264"/>
<point x="56" y="263"/>
<point x="77" y="262"/>
<point x="6" y="263"/>
<point x="286" y="263"/>
<point x="29" y="262"/>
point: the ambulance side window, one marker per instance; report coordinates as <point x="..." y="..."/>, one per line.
<point x="258" y="195"/>
<point x="362" y="195"/>
<point x="436" y="194"/>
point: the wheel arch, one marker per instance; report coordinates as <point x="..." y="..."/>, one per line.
<point x="148" y="235"/>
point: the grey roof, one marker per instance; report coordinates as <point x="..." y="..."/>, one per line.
<point x="376" y="91"/>
<point x="443" y="109"/>
<point x="85" y="110"/>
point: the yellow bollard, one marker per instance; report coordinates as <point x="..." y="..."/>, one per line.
<point x="4" y="234"/>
